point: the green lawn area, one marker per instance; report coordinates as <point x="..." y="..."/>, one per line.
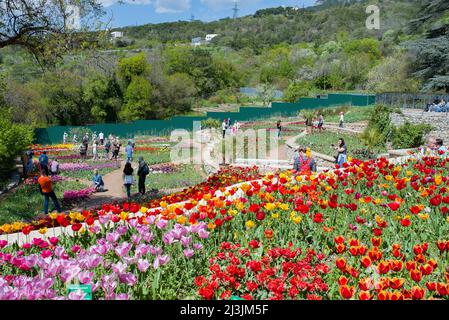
<point x="187" y="176"/>
<point x="27" y="202"/>
<point x="321" y="143"/>
<point x="352" y="114"/>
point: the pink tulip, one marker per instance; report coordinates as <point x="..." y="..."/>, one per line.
<point x="85" y="277"/>
<point x="203" y="234"/>
<point x="77" y="295"/>
<point x="188" y="253"/>
<point x="161" y="223"/>
<point x="143" y="265"/>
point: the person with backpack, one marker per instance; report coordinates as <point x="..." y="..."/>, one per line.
<point x="43" y="161"/>
<point x="128" y="179"/>
<point x="302" y="163"/>
<point x="46" y="189"/>
<point x="142" y="172"/>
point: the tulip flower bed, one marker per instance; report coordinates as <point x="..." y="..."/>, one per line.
<point x="74" y="196"/>
<point x="370" y="230"/>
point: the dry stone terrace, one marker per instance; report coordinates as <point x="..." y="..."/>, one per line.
<point x="438" y="120"/>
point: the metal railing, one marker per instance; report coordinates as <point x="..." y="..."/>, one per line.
<point x="409" y="100"/>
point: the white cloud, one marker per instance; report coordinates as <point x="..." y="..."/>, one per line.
<point x="160" y="6"/>
<point x="172" y="6"/>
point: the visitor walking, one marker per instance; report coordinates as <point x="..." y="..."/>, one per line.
<point x="342" y="120"/>
<point x="142" y="172"/>
<point x="30" y="165"/>
<point x="94" y="137"/>
<point x="98" y="181"/>
<point x="279" y="128"/>
<point x="101" y="137"/>
<point x="64" y="137"/>
<point x="107" y="148"/>
<point x="83" y="151"/>
<point x="320" y="123"/>
<point x="95" y="151"/>
<point x="46" y="189"/>
<point x="75" y="138"/>
<point x="224" y="126"/>
<point x="43" y="161"/>
<point x="129" y="152"/>
<point x="54" y="167"/>
<point x="342" y="150"/>
<point x="86" y="139"/>
<point x="128" y="179"/>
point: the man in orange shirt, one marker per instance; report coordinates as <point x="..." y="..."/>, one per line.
<point x="46" y="188"/>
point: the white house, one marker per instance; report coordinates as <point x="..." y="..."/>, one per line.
<point x="209" y="37"/>
<point x="117" y="35"/>
<point x="196" y="42"/>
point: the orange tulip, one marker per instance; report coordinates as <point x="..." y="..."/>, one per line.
<point x="416" y="275"/>
<point x="340" y="263"/>
<point x="366" y="262"/>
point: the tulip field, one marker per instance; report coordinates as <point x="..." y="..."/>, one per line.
<point x="369" y="230"/>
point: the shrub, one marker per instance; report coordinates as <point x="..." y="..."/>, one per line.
<point x="379" y="126"/>
<point x="410" y="135"/>
<point x="210" y="123"/>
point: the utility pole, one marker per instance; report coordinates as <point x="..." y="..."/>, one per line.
<point x="235" y="9"/>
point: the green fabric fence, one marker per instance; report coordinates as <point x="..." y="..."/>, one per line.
<point x="54" y="135"/>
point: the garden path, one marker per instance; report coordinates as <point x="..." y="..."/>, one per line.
<point x="114" y="184"/>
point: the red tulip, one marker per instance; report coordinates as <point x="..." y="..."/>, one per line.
<point x="347" y="292"/>
<point x="340" y="263"/>
<point x="394" y="206"/>
<point x="416" y="275"/>
<point x="417" y="293"/>
<point x="364" y="295"/>
<point x="443" y="289"/>
<point x="366" y="262"/>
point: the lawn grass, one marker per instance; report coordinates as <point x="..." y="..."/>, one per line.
<point x="26" y="202"/>
<point x="321" y="143"/>
<point x="187" y="176"/>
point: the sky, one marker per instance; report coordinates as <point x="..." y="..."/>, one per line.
<point x="138" y="12"/>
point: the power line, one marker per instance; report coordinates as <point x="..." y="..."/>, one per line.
<point x="235" y="9"/>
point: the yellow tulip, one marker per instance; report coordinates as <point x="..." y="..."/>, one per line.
<point x="270" y="206"/>
<point x="438" y="180"/>
<point x="43" y="230"/>
<point x="424" y="216"/>
<point x="182" y="220"/>
<point x="53" y="215"/>
<point x="299" y="178"/>
<point x="143" y="209"/>
<point x="233" y="212"/>
<point x="297" y="219"/>
<point x="123" y="215"/>
<point x="250" y="224"/>
<point x="163" y="204"/>
<point x="275" y="215"/>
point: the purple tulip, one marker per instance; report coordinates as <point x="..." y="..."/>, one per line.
<point x="119" y="267"/>
<point x="142" y="250"/>
<point x="77" y="295"/>
<point x="168" y="238"/>
<point x="160" y="261"/>
<point x="161" y="223"/>
<point x="128" y="278"/>
<point x="197" y="246"/>
<point x="122" y="296"/>
<point x="112" y="237"/>
<point x="143" y="265"/>
<point x="155" y="251"/>
<point x="123" y="249"/>
<point x="85" y="277"/>
<point x="121" y="230"/>
<point x="136" y="239"/>
<point x="104" y="219"/>
<point x="188" y="253"/>
<point x="203" y="234"/>
<point x="185" y="241"/>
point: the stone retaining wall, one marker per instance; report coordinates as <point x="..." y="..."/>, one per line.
<point x="438" y="120"/>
